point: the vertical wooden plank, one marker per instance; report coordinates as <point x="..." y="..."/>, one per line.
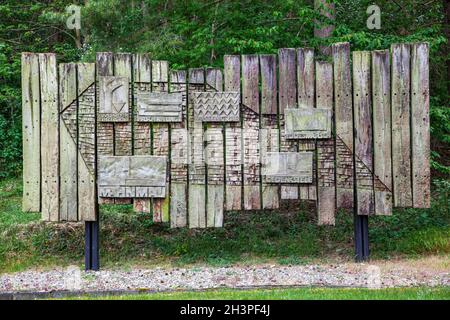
<point x="179" y="157"/>
<point x="287" y="99"/>
<point x="142" y="130"/>
<point x="363" y="133"/>
<point x="49" y="136"/>
<point x="105" y="130"/>
<point x="214" y="157"/>
<point x="381" y="86"/>
<point x="305" y="97"/>
<point x="401" y="133"/>
<point x="250" y="132"/>
<point x="344" y="125"/>
<point x="86" y="142"/>
<point x="31" y="123"/>
<point x="326" y="185"/>
<point x="420" y="125"/>
<point x="269" y="134"/>
<point x="197" y="187"/>
<point x="68" y="203"/>
<point x="233" y="149"/>
<point x="161" y="139"/>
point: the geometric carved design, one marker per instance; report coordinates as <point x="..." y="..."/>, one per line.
<point x="132" y="176"/>
<point x="114" y="105"/>
<point x="308" y="123"/>
<point x="159" y="107"/>
<point x="288" y="167"/>
<point x="216" y="106"/>
<point x="86" y="125"/>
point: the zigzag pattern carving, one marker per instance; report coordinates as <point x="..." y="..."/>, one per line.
<point x="216" y="106"/>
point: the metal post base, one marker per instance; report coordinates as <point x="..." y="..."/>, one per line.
<point x="361" y="226"/>
<point x="91" y="246"/>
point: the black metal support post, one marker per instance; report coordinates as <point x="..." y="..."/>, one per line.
<point x="361" y="226"/>
<point x="91" y="245"/>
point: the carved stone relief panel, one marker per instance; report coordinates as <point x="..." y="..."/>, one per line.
<point x="308" y="123"/>
<point x="114" y="103"/>
<point x="159" y="107"/>
<point x="288" y="167"/>
<point x="216" y="106"/>
<point x="132" y="176"/>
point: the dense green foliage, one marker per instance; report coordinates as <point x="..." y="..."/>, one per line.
<point x="198" y="33"/>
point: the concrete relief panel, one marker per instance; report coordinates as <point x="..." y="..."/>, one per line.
<point x="288" y="167"/>
<point x="216" y="106"/>
<point x="114" y="102"/>
<point x="132" y="176"/>
<point x="308" y="123"/>
<point x="159" y="107"/>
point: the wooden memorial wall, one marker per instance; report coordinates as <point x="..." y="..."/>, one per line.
<point x="188" y="145"/>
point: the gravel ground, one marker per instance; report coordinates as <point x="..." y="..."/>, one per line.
<point x="195" y="278"/>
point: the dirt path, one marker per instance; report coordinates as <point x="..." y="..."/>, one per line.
<point x="430" y="271"/>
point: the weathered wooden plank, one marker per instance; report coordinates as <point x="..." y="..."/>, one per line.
<point x="344" y="125"/>
<point x="161" y="138"/>
<point x="420" y="125"/>
<point x="214" y="158"/>
<point x="142" y="130"/>
<point x="87" y="208"/>
<point x="179" y="156"/>
<point x="197" y="183"/>
<point x="105" y="130"/>
<point x="49" y="136"/>
<point x="31" y="123"/>
<point x="250" y="134"/>
<point x="68" y="204"/>
<point x="362" y="113"/>
<point x="326" y="184"/>
<point x="233" y="156"/>
<point x="401" y="130"/>
<point x="305" y="97"/>
<point x="381" y="88"/>
<point x="269" y="134"/>
<point x="287" y="99"/>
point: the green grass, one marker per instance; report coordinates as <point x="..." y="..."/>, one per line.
<point x="288" y="237"/>
<point x="420" y="293"/>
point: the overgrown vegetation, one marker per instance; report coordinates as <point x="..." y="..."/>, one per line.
<point x="287" y="238"/>
<point x="197" y="33"/>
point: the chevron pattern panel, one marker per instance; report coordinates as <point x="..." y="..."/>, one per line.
<point x="216" y="106"/>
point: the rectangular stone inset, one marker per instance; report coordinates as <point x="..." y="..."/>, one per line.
<point x="159" y="107"/>
<point x="216" y="106"/>
<point x="114" y="102"/>
<point x="288" y="167"/>
<point x="132" y="176"/>
<point x="308" y="123"/>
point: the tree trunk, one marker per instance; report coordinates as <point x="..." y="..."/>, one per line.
<point x="327" y="9"/>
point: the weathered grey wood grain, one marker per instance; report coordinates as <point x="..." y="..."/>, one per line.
<point x="31" y="124"/>
<point x="381" y="88"/>
<point x="269" y="134"/>
<point x="161" y="138"/>
<point x="250" y="135"/>
<point x="49" y="136"/>
<point x="142" y="130"/>
<point x="68" y="158"/>
<point x="214" y="157"/>
<point x="87" y="209"/>
<point x="287" y="98"/>
<point x="233" y="156"/>
<point x="362" y="113"/>
<point x="420" y="125"/>
<point x="179" y="156"/>
<point x="197" y="179"/>
<point x="326" y="184"/>
<point x="401" y="130"/>
<point x="305" y="97"/>
<point x="343" y="124"/>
